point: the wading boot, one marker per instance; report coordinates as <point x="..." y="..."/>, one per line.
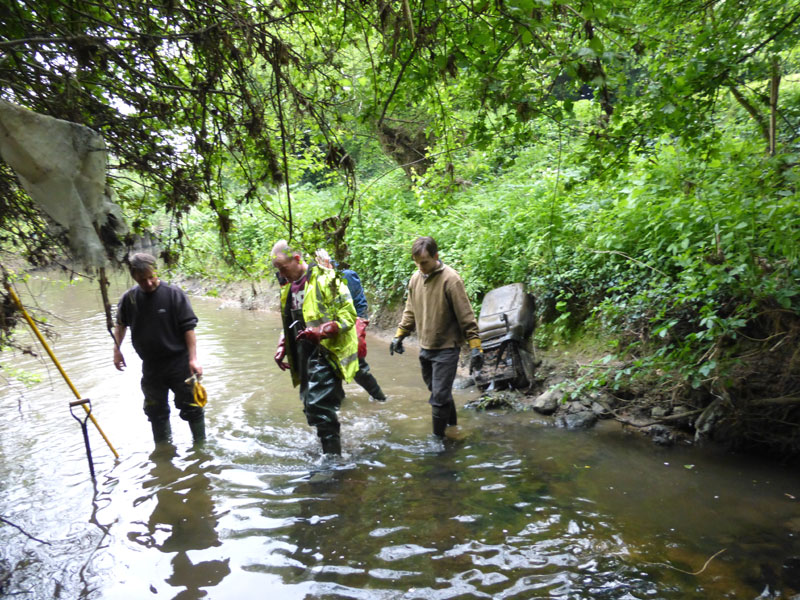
<point x="441" y="416"/>
<point x="453" y="418"/>
<point x="198" y="427"/>
<point x="331" y="444"/>
<point x="367" y="381"/>
<point x="162" y="432"/>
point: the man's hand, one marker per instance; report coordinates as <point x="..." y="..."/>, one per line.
<point x="191" y="346"/>
<point x="119" y="361"/>
<point x="316" y="334"/>
<point x="195" y="367"/>
<point x="119" y="335"/>
<point x="396" y="346"/>
<point x="280" y="354"/>
<point x="475" y="360"/>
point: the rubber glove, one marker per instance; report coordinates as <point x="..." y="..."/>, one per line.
<point x="280" y="354"/>
<point x="396" y="346"/>
<point x="316" y="334"/>
<point x="475" y="360"/>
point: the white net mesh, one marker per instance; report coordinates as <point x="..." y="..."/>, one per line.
<point x="62" y="166"/>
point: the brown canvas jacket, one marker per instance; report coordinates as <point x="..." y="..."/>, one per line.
<point x="439" y="310"/>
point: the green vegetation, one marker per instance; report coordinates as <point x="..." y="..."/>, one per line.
<point x="684" y="263"/>
<point x="634" y="163"/>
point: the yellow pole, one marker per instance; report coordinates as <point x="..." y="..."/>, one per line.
<point x="35" y="329"/>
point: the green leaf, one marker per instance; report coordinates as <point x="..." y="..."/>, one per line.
<point x="596" y="44"/>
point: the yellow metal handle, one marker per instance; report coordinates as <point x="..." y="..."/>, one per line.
<point x="35" y="329"/>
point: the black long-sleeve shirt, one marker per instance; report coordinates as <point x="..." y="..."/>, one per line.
<point x="158" y="321"/>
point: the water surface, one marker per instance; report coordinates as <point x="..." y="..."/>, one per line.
<point x="508" y="508"/>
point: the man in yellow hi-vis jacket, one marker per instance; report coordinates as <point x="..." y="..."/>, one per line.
<point x="318" y="344"/>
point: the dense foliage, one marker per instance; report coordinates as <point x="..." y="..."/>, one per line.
<point x="682" y="269"/>
<point x="196" y="95"/>
<point x="633" y="162"/>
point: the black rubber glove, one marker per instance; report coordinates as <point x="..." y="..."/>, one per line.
<point x="396" y="346"/>
<point x="475" y="360"/>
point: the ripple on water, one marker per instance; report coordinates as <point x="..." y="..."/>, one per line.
<point x="506" y="510"/>
<point x="403" y="551"/>
<point x="384" y="531"/>
<point x="493" y="487"/>
<point x="504" y="556"/>
<point x="392" y="574"/>
<point x="466" y="518"/>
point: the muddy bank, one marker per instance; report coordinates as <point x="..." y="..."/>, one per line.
<point x="250" y="295"/>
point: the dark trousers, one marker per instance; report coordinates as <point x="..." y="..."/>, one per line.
<point x="438" y="372"/>
<point x="161" y="376"/>
<point x="320" y="390"/>
<point x="367" y="380"/>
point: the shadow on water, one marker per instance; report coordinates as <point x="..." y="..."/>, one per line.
<point x="506" y="507"/>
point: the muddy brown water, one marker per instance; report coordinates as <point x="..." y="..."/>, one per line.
<point x="508" y="508"/>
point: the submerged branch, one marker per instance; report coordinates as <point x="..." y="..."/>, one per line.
<point x="713" y="556"/>
<point x="15" y="526"/>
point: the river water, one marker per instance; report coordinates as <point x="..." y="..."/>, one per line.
<point x="508" y="507"/>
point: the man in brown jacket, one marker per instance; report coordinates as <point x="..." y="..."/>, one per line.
<point x="439" y="309"/>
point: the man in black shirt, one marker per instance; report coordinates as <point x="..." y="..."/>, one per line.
<point x="162" y="326"/>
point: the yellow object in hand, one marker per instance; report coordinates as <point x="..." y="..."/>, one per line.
<point x="198" y="391"/>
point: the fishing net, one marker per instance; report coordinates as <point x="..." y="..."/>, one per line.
<point x="62" y="167"/>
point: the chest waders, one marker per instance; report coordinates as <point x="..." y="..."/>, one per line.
<point x="158" y="379"/>
<point x="319" y="368"/>
<point x="322" y="393"/>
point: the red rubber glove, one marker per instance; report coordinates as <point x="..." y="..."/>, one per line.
<point x="280" y="354"/>
<point x="316" y="334"/>
<point x="361" y="334"/>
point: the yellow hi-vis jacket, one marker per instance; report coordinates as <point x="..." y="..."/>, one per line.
<point x="327" y="299"/>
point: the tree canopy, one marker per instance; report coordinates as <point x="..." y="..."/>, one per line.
<point x="191" y="94"/>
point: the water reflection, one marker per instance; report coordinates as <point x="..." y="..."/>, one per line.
<point x="182" y="520"/>
<point x="511" y="508"/>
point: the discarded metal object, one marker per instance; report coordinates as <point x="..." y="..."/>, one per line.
<point x="505" y="325"/>
<point x="87" y="405"/>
